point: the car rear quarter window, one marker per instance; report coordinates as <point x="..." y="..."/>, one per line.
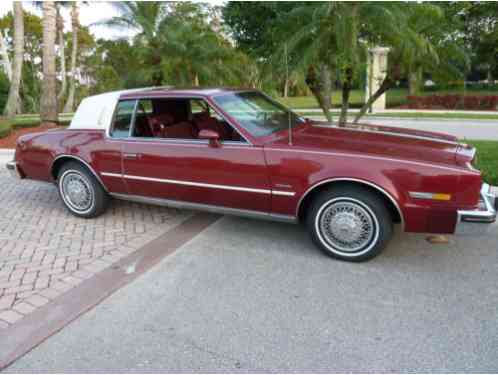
<point x="123" y="118"/>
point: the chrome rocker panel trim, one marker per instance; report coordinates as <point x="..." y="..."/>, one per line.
<point x="485" y="214"/>
<point x="206" y="207"/>
<point x="14" y="170"/>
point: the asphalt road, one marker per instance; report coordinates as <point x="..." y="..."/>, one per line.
<point x="469" y="129"/>
<point x="247" y="296"/>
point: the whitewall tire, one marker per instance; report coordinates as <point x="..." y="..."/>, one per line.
<point x="81" y="192"/>
<point x="350" y="223"/>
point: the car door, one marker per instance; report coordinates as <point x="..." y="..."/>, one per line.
<point x="232" y="174"/>
<point x="109" y="157"/>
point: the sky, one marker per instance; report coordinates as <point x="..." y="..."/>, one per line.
<point x="90" y="13"/>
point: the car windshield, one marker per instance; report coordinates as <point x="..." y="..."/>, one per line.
<point x="256" y="113"/>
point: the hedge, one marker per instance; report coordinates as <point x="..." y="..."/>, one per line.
<point x="475" y="102"/>
<point x="7" y="127"/>
<point x="5" y="131"/>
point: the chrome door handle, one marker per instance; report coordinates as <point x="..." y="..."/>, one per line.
<point x="130" y="156"/>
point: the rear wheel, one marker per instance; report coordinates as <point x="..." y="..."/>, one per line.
<point x="349" y="223"/>
<point x="81" y="192"/>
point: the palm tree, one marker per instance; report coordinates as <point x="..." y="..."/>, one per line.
<point x="190" y="44"/>
<point x="307" y="32"/>
<point x="13" y="102"/>
<point x="416" y="49"/>
<point x="331" y="37"/>
<point x="147" y="18"/>
<point x="62" y="57"/>
<point x="179" y="32"/>
<point x="69" y="107"/>
<point x="7" y="67"/>
<point x="48" y="105"/>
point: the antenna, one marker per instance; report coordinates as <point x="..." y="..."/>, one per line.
<point x="290" y="127"/>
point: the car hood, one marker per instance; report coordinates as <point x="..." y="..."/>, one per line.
<point x="378" y="140"/>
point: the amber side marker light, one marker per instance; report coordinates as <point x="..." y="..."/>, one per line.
<point x="431" y="196"/>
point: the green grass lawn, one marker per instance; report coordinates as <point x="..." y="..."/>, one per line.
<point x="395" y="97"/>
<point x="487" y="159"/>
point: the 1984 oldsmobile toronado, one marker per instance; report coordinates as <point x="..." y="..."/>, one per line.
<point x="239" y="152"/>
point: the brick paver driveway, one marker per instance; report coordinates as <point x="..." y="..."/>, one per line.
<point x="45" y="251"/>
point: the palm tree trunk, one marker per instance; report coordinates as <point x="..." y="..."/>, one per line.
<point x="69" y="107"/>
<point x="286" y="88"/>
<point x="13" y="103"/>
<point x="60" y="33"/>
<point x="48" y="105"/>
<point x="413" y="78"/>
<point x="321" y="88"/>
<point x="5" y="57"/>
<point x="346" y="91"/>
<point x="286" y="82"/>
<point x="386" y="85"/>
<point x="326" y="84"/>
<point x="489" y="76"/>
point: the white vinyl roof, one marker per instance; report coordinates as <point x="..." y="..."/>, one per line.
<point x="95" y="112"/>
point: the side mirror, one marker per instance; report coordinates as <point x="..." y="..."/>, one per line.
<point x="211" y="135"/>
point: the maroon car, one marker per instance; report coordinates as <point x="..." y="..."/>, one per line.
<point x="239" y="152"/>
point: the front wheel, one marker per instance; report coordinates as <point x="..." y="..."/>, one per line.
<point x="349" y="223"/>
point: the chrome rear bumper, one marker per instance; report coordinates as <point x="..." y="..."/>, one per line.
<point x="14" y="170"/>
<point x="486" y="213"/>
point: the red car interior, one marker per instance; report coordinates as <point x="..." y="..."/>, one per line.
<point x="172" y="118"/>
<point x="203" y="120"/>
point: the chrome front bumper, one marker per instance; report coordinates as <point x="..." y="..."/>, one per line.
<point x="14" y="170"/>
<point x="486" y="213"/>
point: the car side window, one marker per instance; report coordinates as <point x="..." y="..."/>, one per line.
<point x="123" y="118"/>
<point x="205" y="117"/>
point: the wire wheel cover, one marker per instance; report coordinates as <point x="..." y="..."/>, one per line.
<point x="77" y="192"/>
<point x="347" y="226"/>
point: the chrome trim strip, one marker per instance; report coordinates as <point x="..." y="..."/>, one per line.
<point x="389" y="133"/>
<point x="207" y="207"/>
<point x="283" y="193"/>
<point x="486" y="215"/>
<point x="81" y="161"/>
<point x="372" y="158"/>
<point x="389" y="196"/>
<point x="185" y="142"/>
<point x="107" y="174"/>
<point x="197" y="184"/>
<point x="200" y="184"/>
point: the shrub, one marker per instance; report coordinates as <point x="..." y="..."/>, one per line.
<point x="472" y="102"/>
<point x="4" y="90"/>
<point x="26" y="124"/>
<point x="5" y="128"/>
